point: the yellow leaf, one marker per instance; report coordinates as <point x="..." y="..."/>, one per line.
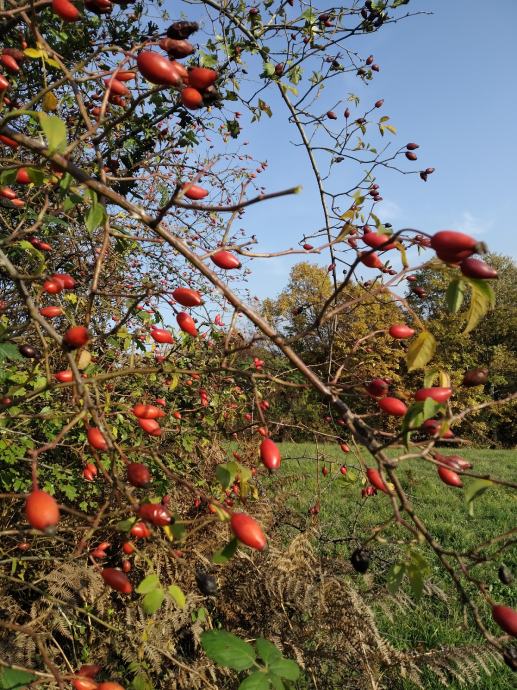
<point x="421" y="351"/>
<point x="168" y="532"/>
<point x="403" y="255"/>
<point x="50" y="102"/>
<point x="221" y="514"/>
<point x="178" y="595"/>
<point x="444" y="427"/>
<point x="174" y="382"/>
<point x="84" y="359"/>
<point x="348" y="229"/>
<point x="481" y="301"/>
<point x="52" y="62"/>
<point x="349" y="215"/>
<point x="445" y="379"/>
<point x="34" y="53"/>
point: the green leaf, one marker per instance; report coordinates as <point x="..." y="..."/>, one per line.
<point x="54" y="130"/>
<point x="351" y="476"/>
<point x="188" y="442"/>
<point x="417" y="570"/>
<point x="420" y="351"/>
<point x="482" y="299"/>
<point x="178" y="595"/>
<point x="148" y="584"/>
<point x="429" y="377"/>
<point x="11" y="679"/>
<point x="142" y="682"/>
<point x="475" y="489"/>
<point x="19" y="377"/>
<point x="226" y="473"/>
<point x="244" y="473"/>
<point x="36" y="175"/>
<point x="227" y="552"/>
<point x="65" y="182"/>
<point x="227" y="649"/>
<point x="69" y="491"/>
<point x="9" y="351"/>
<point x="200" y="614"/>
<point x="416" y="582"/>
<point x="125" y="525"/>
<point x="255" y="681"/>
<point x="207" y="60"/>
<point x="8" y="176"/>
<point x="309" y="15"/>
<point x="37" y="255"/>
<point x="153" y="600"/>
<point x="416" y="416"/>
<point x="71" y="201"/>
<point x="285" y="668"/>
<point x="234" y="128"/>
<point x="394" y="577"/>
<point x="455" y="294"/>
<point x="431" y="407"/>
<point x="264" y="107"/>
<point x="267" y="650"/>
<point x="96" y="216"/>
<point x="178" y="531"/>
<point x="276" y="682"/>
<point x="295" y="74"/>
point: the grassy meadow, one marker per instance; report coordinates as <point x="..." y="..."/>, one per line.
<point x="437" y="619"/>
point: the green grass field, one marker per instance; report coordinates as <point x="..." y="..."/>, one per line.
<point x="344" y="514"/>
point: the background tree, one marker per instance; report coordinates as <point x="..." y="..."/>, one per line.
<point x="350" y="350"/>
<point x="492" y="345"/>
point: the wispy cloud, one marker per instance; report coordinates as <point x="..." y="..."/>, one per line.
<point x="388" y="211"/>
<point x="471" y="225"/>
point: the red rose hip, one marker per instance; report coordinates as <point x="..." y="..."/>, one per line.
<point x="401" y="331"/>
<point x="248" y="531"/>
<point x="270" y="454"/>
<point x="475" y="268"/>
<point x="117" y="580"/>
<point x="42" y="511"/>
<point x="96" y="439"/>
<point x="376" y="480"/>
<point x="451" y="246"/>
<point x="506" y="618"/>
<point x="187" y="297"/>
<point x="225" y="260"/>
<point x="440" y="395"/>
<point x="138" y="474"/>
<point x="75" y="337"/>
<point x="393" y="406"/>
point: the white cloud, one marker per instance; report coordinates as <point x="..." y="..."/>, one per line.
<point x="388" y="211"/>
<point x="471" y="225"/>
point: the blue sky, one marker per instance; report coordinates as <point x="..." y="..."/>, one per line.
<point x="448" y="83"/>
